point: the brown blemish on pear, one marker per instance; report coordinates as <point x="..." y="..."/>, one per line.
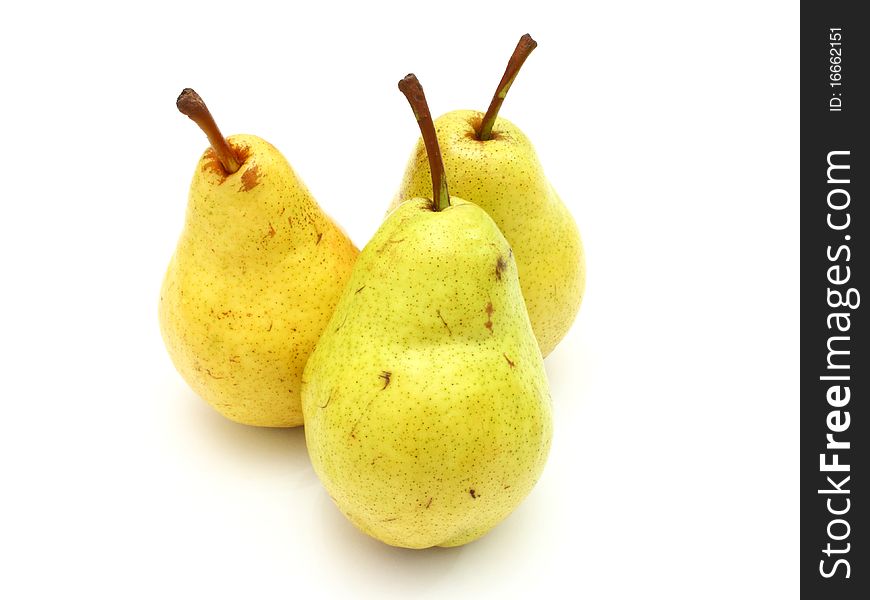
<point x="328" y="400"/>
<point x="500" y="266"/>
<point x="446" y="326"/>
<point x="270" y="233"/>
<point x="250" y="179"/>
<point x="474" y="122"/>
<point x="385" y="375"/>
<point x="211" y="163"/>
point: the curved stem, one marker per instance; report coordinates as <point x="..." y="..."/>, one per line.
<point x="521" y="53"/>
<point x="413" y="91"/>
<point x="191" y="104"/>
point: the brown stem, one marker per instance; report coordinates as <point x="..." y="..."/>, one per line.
<point x="191" y="104"/>
<point x="521" y="53"/>
<point x="417" y="99"/>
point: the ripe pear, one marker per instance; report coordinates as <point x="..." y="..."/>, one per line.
<point x="490" y="162"/>
<point x="256" y="275"/>
<point x="427" y="409"/>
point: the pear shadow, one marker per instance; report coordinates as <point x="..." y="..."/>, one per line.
<point x="264" y="448"/>
<point x="364" y="560"/>
<point x="571" y="369"/>
<point x="500" y="555"/>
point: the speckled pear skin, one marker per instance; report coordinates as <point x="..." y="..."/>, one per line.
<point x="504" y="177"/>
<point x="256" y="275"/>
<point x="427" y="409"/>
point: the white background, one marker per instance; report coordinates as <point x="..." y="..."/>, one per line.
<point x="669" y="128"/>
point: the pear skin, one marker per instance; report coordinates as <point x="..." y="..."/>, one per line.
<point x="503" y="176"/>
<point x="255" y="277"/>
<point x="427" y="410"/>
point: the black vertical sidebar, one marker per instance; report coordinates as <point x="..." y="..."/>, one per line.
<point x="835" y="301"/>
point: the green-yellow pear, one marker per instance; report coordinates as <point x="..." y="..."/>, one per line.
<point x="490" y="162"/>
<point x="256" y="275"/>
<point x="427" y="410"/>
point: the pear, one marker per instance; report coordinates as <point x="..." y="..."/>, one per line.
<point x="427" y="410"/>
<point x="256" y="275"/>
<point x="490" y="162"/>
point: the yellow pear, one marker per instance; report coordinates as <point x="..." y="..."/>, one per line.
<point x="490" y="162"/>
<point x="427" y="409"/>
<point x="254" y="279"/>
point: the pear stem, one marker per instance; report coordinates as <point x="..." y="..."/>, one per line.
<point x="521" y="53"/>
<point x="413" y="91"/>
<point x="191" y="104"/>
